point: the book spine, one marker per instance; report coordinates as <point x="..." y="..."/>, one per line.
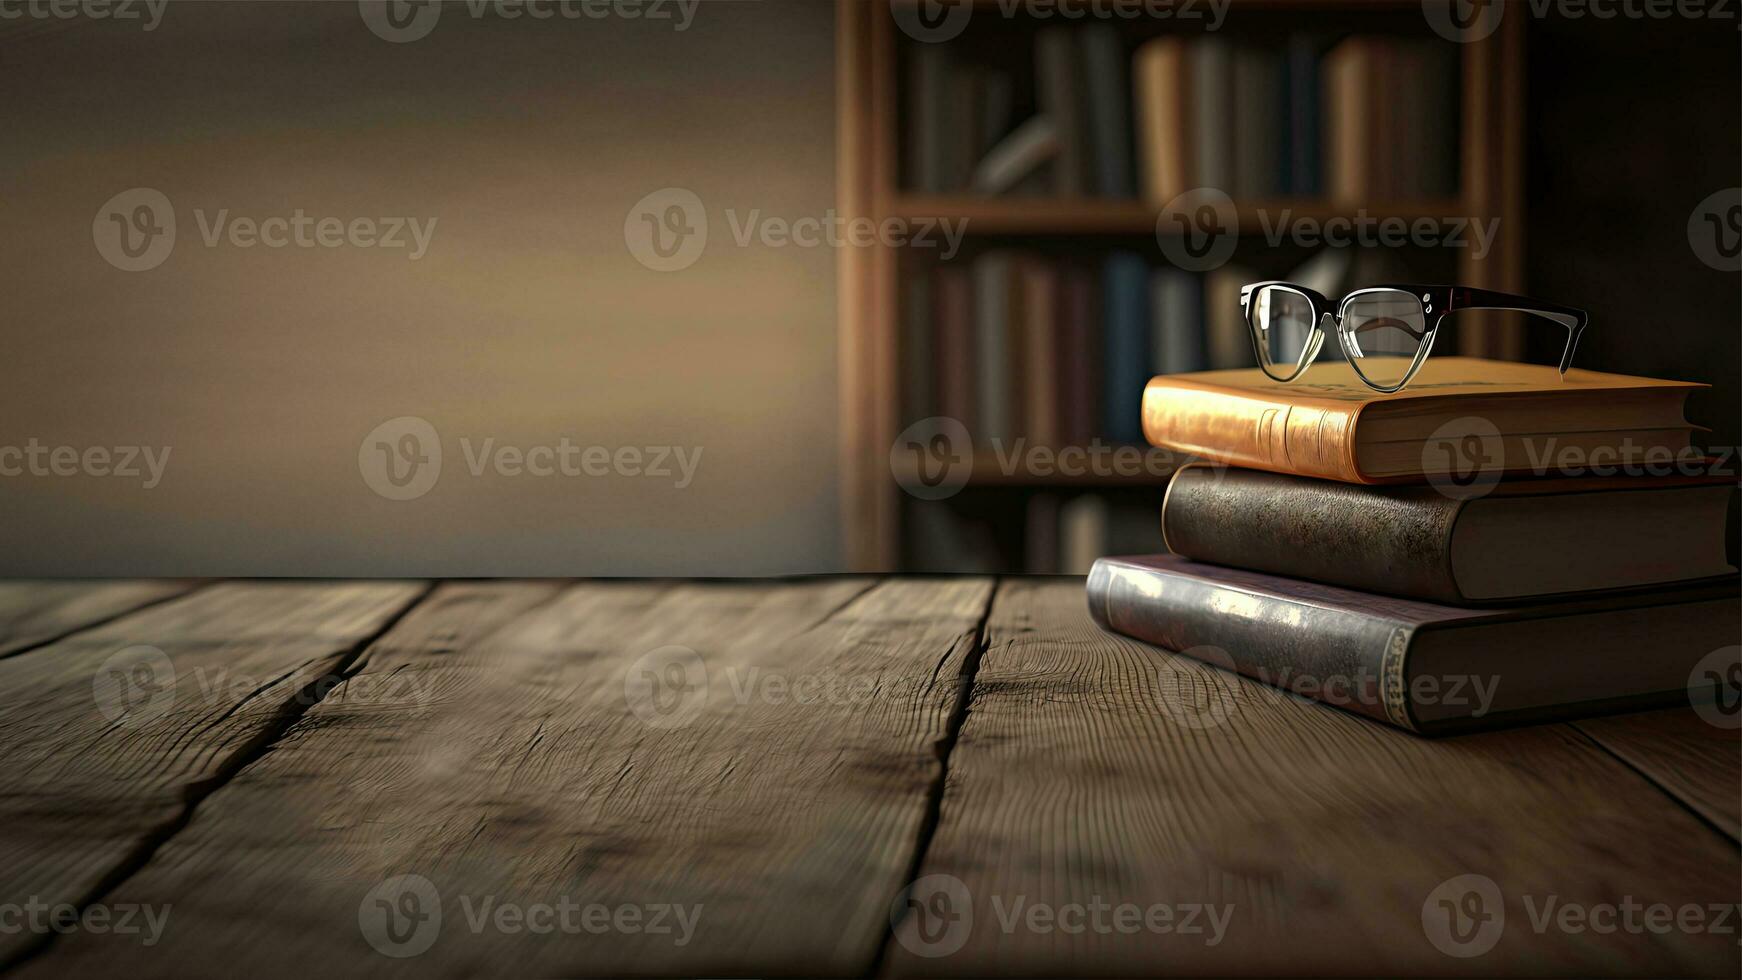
<point x="925" y="142"/>
<point x="1258" y="124"/>
<point x="995" y="359"/>
<point x="1177" y="327"/>
<point x="1346" y="659"/>
<point x="957" y="392"/>
<point x="919" y="357"/>
<point x="1079" y="352"/>
<point x="1040" y="373"/>
<point x="1057" y="79"/>
<point x="1125" y="312"/>
<point x="1247" y="429"/>
<point x="1160" y="89"/>
<point x="1109" y="112"/>
<point x="1304" y="129"/>
<point x="1347" y="110"/>
<point x="1395" y="541"/>
<point x="1212" y="68"/>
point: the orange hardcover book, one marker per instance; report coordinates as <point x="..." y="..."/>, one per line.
<point x="1459" y="415"/>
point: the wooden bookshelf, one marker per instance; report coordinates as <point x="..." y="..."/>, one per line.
<point x="869" y="129"/>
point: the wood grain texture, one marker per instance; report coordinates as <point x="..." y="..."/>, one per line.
<point x="107" y="734"/>
<point x="781" y="794"/>
<point x="1697" y="762"/>
<point x="36" y="612"/>
<point x="1093" y="769"/>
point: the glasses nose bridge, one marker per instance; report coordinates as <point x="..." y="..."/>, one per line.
<point x="1328" y="322"/>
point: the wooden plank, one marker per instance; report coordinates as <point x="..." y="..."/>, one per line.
<point x="1095" y="769"/>
<point x="781" y="794"/>
<point x="1690" y="758"/>
<point x="32" y="613"/>
<point x="111" y="734"/>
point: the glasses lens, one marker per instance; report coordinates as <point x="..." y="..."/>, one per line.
<point x="1383" y="330"/>
<point x="1282" y="323"/>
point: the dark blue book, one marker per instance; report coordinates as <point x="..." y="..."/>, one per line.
<point x="1125" y="314"/>
<point x="1302" y="148"/>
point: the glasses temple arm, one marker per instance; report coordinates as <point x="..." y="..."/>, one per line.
<point x="1570" y="317"/>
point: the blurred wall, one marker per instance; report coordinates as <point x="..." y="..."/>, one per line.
<point x="526" y="321"/>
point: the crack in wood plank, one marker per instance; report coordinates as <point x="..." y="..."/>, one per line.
<point x="253" y="748"/>
<point x="1680" y="753"/>
<point x="1091" y="769"/>
<point x="527" y="777"/>
<point x="944" y="747"/>
<point x="112" y="601"/>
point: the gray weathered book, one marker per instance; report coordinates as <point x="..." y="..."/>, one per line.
<point x="1518" y="539"/>
<point x="1427" y="668"/>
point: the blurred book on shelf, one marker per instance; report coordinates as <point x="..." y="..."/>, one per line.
<point x="1368" y="117"/>
<point x="1391" y="116"/>
<point x="1057" y="350"/>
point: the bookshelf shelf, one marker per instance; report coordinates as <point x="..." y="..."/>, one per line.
<point x="1091" y="216"/>
<point x="874" y="109"/>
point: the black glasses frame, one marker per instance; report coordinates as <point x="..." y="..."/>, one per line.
<point x="1436" y="303"/>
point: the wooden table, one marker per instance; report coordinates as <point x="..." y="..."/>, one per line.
<point x="326" y="778"/>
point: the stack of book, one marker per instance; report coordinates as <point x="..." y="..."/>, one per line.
<point x="1493" y="545"/>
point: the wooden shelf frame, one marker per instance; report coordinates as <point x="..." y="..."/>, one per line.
<point x="868" y="279"/>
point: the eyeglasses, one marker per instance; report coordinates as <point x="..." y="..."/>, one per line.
<point x="1385" y="331"/>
